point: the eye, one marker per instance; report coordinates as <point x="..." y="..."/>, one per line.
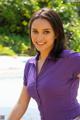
<point x="34" y="31"/>
<point x="46" y="32"/>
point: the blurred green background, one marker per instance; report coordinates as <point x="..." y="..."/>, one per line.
<point x="14" y="18"/>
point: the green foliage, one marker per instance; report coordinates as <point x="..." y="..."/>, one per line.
<point x="18" y="44"/>
<point x="74" y="40"/>
<point x="9" y="14"/>
<point x="6" y="51"/>
<point x="15" y="15"/>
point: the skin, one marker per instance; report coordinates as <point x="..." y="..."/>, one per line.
<point x="21" y="105"/>
<point x="78" y="76"/>
<point x="43" y="38"/>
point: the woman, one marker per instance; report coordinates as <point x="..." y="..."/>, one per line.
<point x="52" y="76"/>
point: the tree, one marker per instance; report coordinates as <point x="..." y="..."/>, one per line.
<point x="15" y="16"/>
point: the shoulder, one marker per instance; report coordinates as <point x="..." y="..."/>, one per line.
<point x="71" y="57"/>
<point x="31" y="60"/>
<point x="71" y="54"/>
<point x="75" y="56"/>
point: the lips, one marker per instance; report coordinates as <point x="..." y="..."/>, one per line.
<point x="40" y="43"/>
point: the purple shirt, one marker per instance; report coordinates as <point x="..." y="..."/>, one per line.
<point x="55" y="88"/>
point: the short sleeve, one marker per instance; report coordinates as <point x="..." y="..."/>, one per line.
<point x="78" y="63"/>
<point x="75" y="59"/>
<point x="26" y="69"/>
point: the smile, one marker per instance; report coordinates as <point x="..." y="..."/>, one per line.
<point x="40" y="43"/>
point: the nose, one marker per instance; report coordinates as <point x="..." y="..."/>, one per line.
<point x="40" y="37"/>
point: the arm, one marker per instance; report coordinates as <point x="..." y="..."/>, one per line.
<point x="21" y="105"/>
<point x="78" y="76"/>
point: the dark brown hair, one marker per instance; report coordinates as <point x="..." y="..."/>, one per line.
<point x="55" y="21"/>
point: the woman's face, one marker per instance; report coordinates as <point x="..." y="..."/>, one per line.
<point x="42" y="35"/>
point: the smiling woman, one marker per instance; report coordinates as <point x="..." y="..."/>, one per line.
<point x="42" y="35"/>
<point x="50" y="77"/>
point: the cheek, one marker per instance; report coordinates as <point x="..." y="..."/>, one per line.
<point x="51" y="41"/>
<point x="33" y="38"/>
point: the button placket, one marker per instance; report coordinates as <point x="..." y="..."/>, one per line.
<point x="38" y="96"/>
<point x="36" y="85"/>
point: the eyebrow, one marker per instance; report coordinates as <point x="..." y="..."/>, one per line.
<point x="42" y="29"/>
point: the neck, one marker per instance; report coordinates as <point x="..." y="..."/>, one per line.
<point x="43" y="56"/>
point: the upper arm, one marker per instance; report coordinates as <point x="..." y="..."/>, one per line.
<point x="78" y="64"/>
<point x="24" y="98"/>
<point x="78" y="76"/>
<point x="75" y="64"/>
<point x="21" y="105"/>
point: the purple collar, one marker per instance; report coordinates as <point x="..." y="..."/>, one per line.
<point x="65" y="53"/>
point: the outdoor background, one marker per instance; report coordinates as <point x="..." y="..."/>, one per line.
<point x="15" y="15"/>
<point x="15" y="43"/>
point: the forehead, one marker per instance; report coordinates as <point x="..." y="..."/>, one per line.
<point x="41" y="23"/>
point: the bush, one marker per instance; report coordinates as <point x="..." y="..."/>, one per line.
<point x="15" y="15"/>
<point x="6" y="51"/>
<point x="18" y="44"/>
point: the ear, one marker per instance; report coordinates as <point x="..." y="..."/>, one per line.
<point x="78" y="76"/>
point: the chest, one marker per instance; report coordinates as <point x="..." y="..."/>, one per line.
<point x="39" y="66"/>
<point x="53" y="79"/>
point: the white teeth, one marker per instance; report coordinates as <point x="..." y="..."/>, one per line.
<point x="40" y="43"/>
